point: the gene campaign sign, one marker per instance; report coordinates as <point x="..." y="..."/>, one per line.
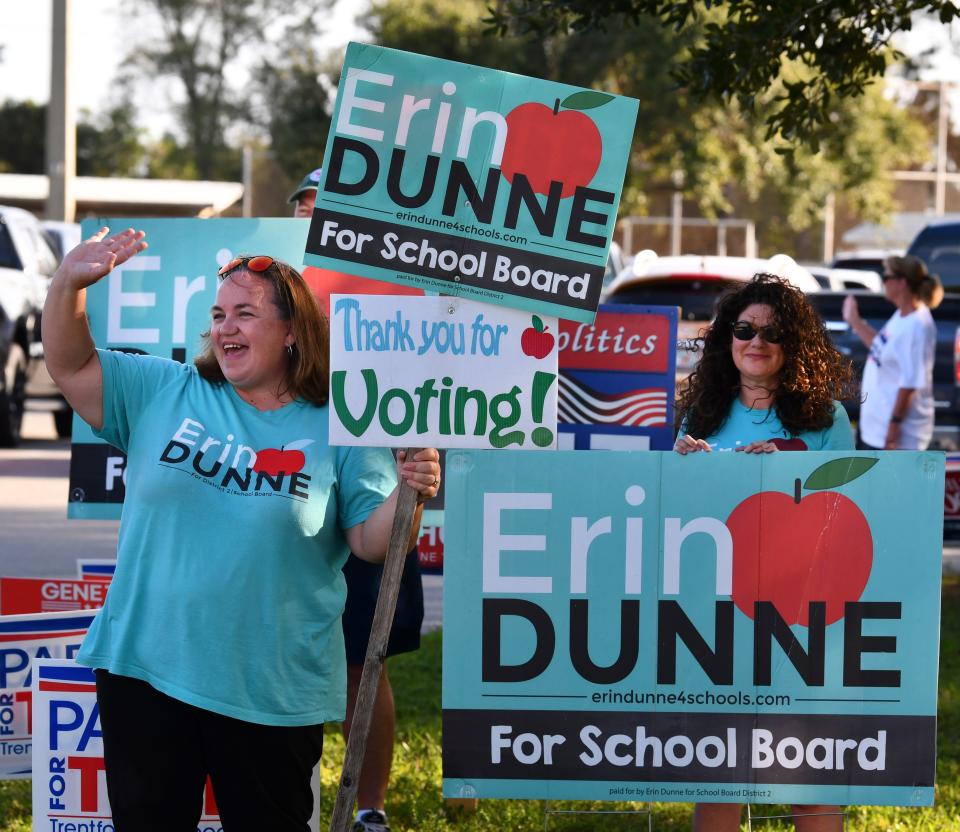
<point x="724" y="628"/>
<point x="471" y="181"/>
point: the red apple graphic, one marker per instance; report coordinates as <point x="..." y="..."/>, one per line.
<point x="791" y="551"/>
<point x="547" y="145"/>
<point x="535" y="340"/>
<point x="288" y="459"/>
<point x="789" y="444"/>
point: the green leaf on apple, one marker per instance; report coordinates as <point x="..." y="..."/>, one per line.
<point x="838" y="472"/>
<point x="586" y="100"/>
<point x="537" y="323"/>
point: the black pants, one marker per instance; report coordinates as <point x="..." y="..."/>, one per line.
<point x="158" y="752"/>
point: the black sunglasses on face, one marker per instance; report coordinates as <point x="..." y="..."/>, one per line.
<point x="746" y="331"/>
<point x="889" y="276"/>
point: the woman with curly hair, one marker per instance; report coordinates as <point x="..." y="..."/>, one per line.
<point x="768" y="380"/>
<point x="769" y="377"/>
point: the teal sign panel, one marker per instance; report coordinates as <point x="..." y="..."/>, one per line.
<point x="717" y="627"/>
<point x="158" y="303"/>
<point x="471" y="181"/>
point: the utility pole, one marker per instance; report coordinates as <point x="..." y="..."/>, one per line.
<point x="61" y="122"/>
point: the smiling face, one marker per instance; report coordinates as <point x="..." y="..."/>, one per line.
<point x="248" y="336"/>
<point x="758" y="361"/>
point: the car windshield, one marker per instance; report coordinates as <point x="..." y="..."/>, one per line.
<point x="9" y="259"/>
<point x="939" y="248"/>
<point x="696" y="296"/>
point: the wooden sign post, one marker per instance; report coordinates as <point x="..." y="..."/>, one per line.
<point x="342" y="817"/>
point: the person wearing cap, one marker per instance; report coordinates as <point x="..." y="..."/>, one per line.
<point x="306" y="194"/>
<point x="363" y="589"/>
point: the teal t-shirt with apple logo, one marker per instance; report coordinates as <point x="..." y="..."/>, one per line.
<point x="744" y="425"/>
<point x="228" y="589"/>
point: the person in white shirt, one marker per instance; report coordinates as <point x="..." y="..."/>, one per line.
<point x="897" y="389"/>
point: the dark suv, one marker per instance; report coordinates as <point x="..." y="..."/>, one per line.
<point x="938" y="245"/>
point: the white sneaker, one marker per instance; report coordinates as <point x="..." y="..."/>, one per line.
<point x="372" y="821"/>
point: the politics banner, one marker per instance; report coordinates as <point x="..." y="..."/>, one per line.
<point x="158" y="303"/>
<point x="471" y="181"/>
<point x="617" y="379"/>
<point x="713" y="627"/>
<point x="24" y="639"/>
<point x="32" y="595"/>
<point x="442" y="372"/>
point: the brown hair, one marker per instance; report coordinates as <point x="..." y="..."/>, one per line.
<point x="309" y="364"/>
<point x="814" y="373"/>
<point x="924" y="286"/>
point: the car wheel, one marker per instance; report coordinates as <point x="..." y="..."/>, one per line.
<point x="12" y="396"/>
<point x="63" y="421"/>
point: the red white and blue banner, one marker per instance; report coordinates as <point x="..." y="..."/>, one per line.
<point x="25" y="596"/>
<point x="24" y="639"/>
<point x="69" y="783"/>
<point x="617" y="380"/>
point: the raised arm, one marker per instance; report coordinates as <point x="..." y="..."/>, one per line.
<point x="369" y="540"/>
<point x="68" y="346"/>
<point x="851" y="314"/>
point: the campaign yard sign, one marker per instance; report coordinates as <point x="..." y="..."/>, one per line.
<point x="32" y="595"/>
<point x="158" y="303"/>
<point x="69" y="784"/>
<point x="471" y="181"/>
<point x="716" y="627"/>
<point x="617" y="379"/>
<point x="25" y="639"/>
<point x="440" y="371"/>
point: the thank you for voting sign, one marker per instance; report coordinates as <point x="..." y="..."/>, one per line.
<point x="441" y="371"/>
<point x="717" y="627"/>
<point x="471" y="181"/>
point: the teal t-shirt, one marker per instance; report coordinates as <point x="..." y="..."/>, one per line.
<point x="228" y="590"/>
<point x="744" y="425"/>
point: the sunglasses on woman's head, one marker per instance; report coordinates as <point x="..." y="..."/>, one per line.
<point x="746" y="331"/>
<point x="258" y="264"/>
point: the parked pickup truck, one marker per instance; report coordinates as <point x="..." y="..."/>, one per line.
<point x="876" y="309"/>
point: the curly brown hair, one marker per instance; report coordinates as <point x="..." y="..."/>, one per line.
<point x="814" y="373"/>
<point x="309" y="362"/>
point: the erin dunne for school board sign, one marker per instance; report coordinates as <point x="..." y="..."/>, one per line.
<point x="471" y="181"/>
<point x="717" y="627"/>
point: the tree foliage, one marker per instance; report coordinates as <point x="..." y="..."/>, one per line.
<point x="197" y="43"/>
<point x="295" y="92"/>
<point x="109" y="144"/>
<point x="744" y="47"/>
<point x="728" y="161"/>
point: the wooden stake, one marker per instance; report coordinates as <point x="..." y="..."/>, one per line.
<point x="342" y="818"/>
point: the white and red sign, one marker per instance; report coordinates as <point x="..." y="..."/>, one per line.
<point x="32" y="595"/>
<point x="23" y="639"/>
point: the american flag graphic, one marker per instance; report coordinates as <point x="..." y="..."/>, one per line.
<point x="579" y="404"/>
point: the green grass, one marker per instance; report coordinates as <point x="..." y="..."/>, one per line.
<point x="415" y="804"/>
